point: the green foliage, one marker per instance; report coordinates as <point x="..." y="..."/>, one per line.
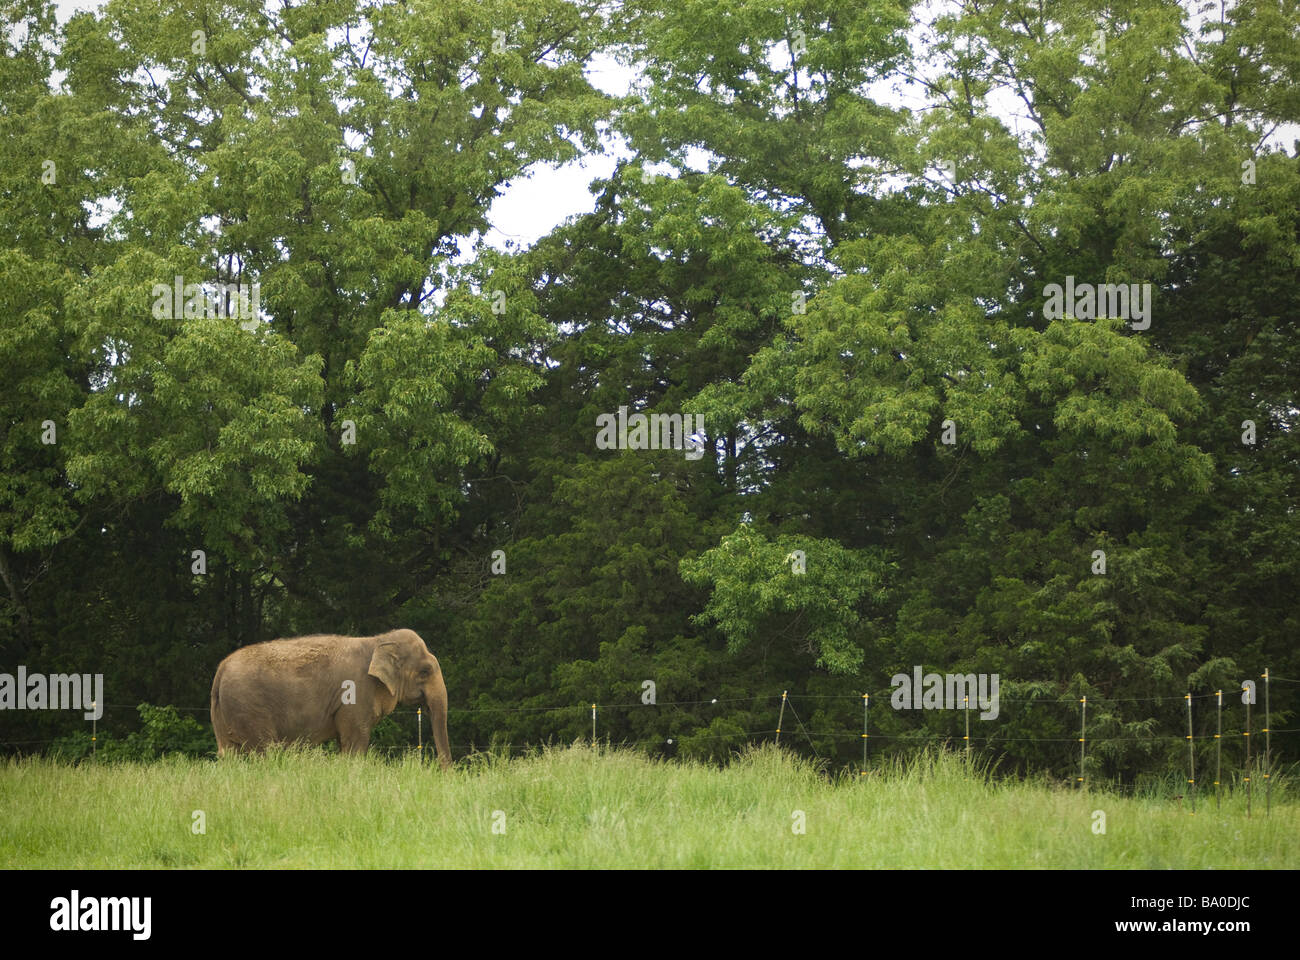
<point x="762" y="587"/>
<point x="850" y="293"/>
<point x="164" y="732"/>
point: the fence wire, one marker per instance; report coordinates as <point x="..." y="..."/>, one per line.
<point x="917" y="736"/>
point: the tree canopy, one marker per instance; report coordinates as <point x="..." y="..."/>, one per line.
<point x="831" y="236"/>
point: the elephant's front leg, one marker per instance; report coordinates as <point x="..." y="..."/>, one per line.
<point x="355" y="744"/>
<point x="354" y="731"/>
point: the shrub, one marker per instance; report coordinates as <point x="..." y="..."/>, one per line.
<point x="163" y="731"/>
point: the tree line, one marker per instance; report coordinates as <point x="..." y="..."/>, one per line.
<point x="922" y="444"/>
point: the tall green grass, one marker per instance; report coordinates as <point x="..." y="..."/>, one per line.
<point x="583" y="807"/>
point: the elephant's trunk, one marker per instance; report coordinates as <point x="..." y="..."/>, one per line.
<point x="435" y="697"/>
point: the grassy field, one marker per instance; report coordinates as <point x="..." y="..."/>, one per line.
<point x="579" y="807"/>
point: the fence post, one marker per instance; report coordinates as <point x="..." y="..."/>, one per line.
<point x="419" y="730"/>
<point x="1268" y="754"/>
<point x="866" y="708"/>
<point x="1083" y="736"/>
<point x="1218" y="753"/>
<point x="967" y="703"/>
<point x="781" y="718"/>
<point x="1247" y="736"/>
<point x="593" y="724"/>
<point x="94" y="727"/>
<point x="1191" y="754"/>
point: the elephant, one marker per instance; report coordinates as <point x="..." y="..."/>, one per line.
<point x="320" y="687"/>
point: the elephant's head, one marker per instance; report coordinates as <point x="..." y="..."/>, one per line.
<point x="403" y="664"/>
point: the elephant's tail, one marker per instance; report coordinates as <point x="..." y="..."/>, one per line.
<point x="214" y="709"/>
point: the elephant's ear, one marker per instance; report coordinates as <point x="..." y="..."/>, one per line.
<point x="384" y="666"/>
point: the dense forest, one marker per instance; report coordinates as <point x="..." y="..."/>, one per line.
<point x="985" y="315"/>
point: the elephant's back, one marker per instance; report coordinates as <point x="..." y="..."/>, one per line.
<point x="295" y="652"/>
<point x="292" y="666"/>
